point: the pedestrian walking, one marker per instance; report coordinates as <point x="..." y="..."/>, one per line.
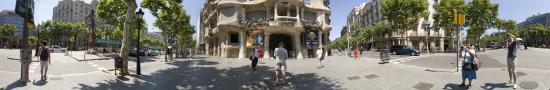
<point x="254" y="59"/>
<point x="321" y="56"/>
<point x="259" y="54"/>
<point x="360" y="52"/>
<point x="511" y="59"/>
<point x="45" y="60"/>
<point x="281" y="55"/>
<point x="469" y="67"/>
<point x="355" y="52"/>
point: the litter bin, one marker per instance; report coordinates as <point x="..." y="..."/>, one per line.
<point x="118" y="63"/>
<point x="384" y="56"/>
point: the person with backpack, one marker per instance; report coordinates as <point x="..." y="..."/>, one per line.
<point x="254" y="58"/>
<point x="469" y="65"/>
<point x="45" y="60"/>
<point x="321" y="56"/>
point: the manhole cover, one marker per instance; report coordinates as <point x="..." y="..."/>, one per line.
<point x="423" y="86"/>
<point x="56" y="78"/>
<point x="354" y="78"/>
<point x="528" y="85"/>
<point x="371" y="76"/>
<point x="519" y="74"/>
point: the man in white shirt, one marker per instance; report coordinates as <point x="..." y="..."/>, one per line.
<point x="281" y="54"/>
<point x="321" y="56"/>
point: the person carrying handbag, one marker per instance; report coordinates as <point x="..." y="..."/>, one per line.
<point x="469" y="65"/>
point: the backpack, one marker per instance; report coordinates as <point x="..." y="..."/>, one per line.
<point x="45" y="54"/>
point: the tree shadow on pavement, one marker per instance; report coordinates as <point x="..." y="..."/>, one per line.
<point x="198" y="74"/>
<point x="492" y="86"/>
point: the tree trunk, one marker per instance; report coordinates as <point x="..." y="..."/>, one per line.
<point x="126" y="34"/>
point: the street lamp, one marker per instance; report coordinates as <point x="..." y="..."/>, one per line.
<point x="427" y="29"/>
<point x="139" y="15"/>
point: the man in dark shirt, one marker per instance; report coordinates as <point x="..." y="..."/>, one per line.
<point x="511" y="59"/>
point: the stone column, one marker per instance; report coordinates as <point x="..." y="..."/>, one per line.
<point x="266" y="45"/>
<point x="242" y="50"/>
<point x="223" y="48"/>
<point x="298" y="46"/>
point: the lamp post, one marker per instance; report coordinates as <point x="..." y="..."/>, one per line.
<point x="140" y="17"/>
<point x="427" y="29"/>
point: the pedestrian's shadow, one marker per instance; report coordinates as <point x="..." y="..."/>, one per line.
<point x="452" y="86"/>
<point x="492" y="86"/>
<point x="40" y="82"/>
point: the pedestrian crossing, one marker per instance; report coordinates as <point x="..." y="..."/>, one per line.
<point x="402" y="60"/>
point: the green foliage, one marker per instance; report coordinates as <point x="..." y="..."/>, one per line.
<point x="444" y="16"/>
<point x="481" y="14"/>
<point x="111" y="11"/>
<point x="7" y="30"/>
<point x="59" y="33"/>
<point x="171" y="19"/>
<point x="404" y="14"/>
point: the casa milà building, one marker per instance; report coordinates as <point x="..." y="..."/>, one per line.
<point x="232" y="28"/>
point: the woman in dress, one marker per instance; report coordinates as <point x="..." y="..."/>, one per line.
<point x="468" y="61"/>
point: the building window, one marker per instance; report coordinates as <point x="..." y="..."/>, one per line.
<point x="307" y="2"/>
<point x="228" y="11"/>
<point x="233" y="38"/>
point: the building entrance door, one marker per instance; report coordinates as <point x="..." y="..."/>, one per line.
<point x="288" y="44"/>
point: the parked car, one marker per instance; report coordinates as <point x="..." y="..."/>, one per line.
<point x="152" y="52"/>
<point x="133" y="52"/>
<point x="403" y="49"/>
<point x="57" y="49"/>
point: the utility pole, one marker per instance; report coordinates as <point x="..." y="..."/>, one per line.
<point x="138" y="63"/>
<point x="25" y="9"/>
<point x="458" y="21"/>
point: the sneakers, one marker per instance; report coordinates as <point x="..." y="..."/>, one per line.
<point x="515" y="86"/>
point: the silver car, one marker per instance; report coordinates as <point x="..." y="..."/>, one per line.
<point x="57" y="49"/>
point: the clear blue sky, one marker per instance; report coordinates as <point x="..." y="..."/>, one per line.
<point x="517" y="10"/>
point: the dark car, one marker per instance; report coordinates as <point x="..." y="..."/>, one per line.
<point x="403" y="49"/>
<point x="134" y="53"/>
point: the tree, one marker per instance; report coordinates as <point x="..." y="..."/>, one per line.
<point x="481" y="15"/>
<point x="113" y="11"/>
<point x="403" y="15"/>
<point x="171" y="19"/>
<point x="507" y="25"/>
<point x="8" y="30"/>
<point x="60" y="33"/>
<point x="443" y="18"/>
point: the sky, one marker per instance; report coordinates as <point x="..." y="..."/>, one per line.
<point x="517" y="10"/>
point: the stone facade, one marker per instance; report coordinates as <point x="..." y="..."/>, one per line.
<point x="227" y="26"/>
<point x="77" y="11"/>
<point x="369" y="13"/>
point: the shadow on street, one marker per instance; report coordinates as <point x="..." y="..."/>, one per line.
<point x="186" y="75"/>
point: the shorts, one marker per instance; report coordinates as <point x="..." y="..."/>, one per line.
<point x="281" y="66"/>
<point x="43" y="65"/>
<point x="512" y="63"/>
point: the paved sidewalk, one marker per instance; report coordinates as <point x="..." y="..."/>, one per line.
<point x="214" y="73"/>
